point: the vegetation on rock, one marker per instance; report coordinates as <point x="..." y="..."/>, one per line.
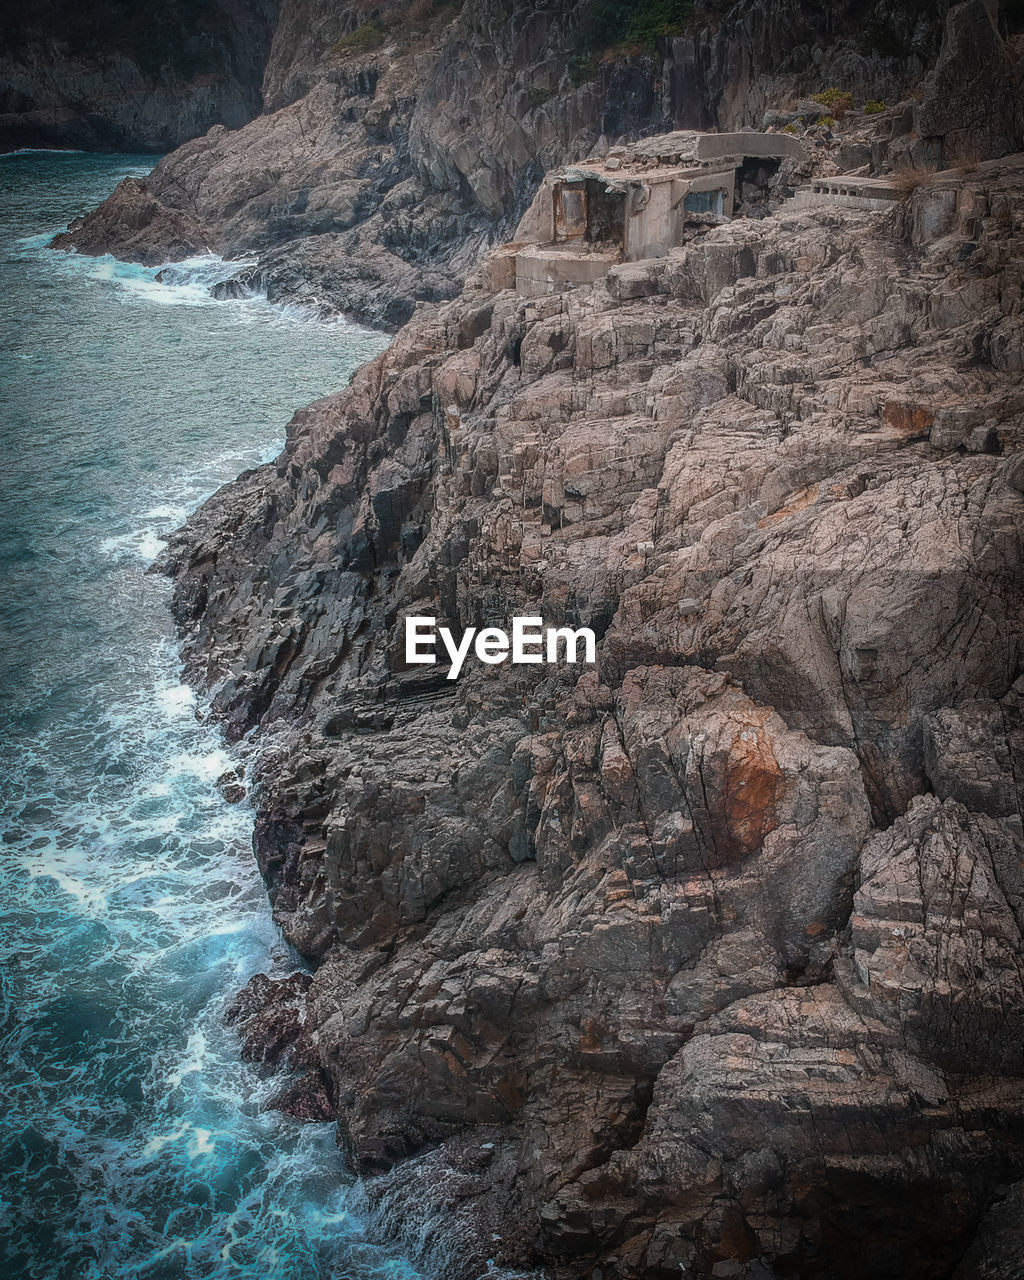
<point x="839" y="101"/>
<point x="610" y="29"/>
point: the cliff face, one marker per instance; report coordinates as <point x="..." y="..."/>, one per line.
<point x="399" y="141"/>
<point x="710" y="956"/>
<point x="706" y="959"/>
<point x="119" y="76"/>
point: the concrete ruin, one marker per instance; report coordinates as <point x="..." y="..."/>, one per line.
<point x="849" y="192"/>
<point x="636" y="203"/>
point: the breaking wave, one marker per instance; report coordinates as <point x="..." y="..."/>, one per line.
<point x="133" y="1141"/>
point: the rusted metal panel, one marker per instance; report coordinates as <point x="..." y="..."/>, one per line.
<point x="570" y="211"/>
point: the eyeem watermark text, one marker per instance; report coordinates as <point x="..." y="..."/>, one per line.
<point x="530" y="641"/>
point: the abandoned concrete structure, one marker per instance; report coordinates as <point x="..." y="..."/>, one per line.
<point x="873" y="194"/>
<point x="635" y="203"/>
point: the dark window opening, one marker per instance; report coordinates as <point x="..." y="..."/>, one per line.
<point x="606" y="214"/>
<point x="586" y="211"/>
<point x="754" y="180"/>
<point x="705" y="202"/>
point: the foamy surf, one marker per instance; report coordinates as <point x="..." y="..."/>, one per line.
<point x="186" y="283"/>
<point x="190" y="283"/>
<point x="135" y="1137"/>
<point x="42" y="151"/>
<point x="155" y="519"/>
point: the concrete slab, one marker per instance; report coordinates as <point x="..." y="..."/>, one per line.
<point x="544" y="269"/>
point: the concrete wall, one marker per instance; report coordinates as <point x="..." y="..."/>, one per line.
<point x="805" y="199"/>
<point x="537" y="224"/>
<point x="844" y="184"/>
<point x="654" y="226"/>
<point x="872" y="194"/>
<point x="541" y="271"/>
<point x="714" y="146"/>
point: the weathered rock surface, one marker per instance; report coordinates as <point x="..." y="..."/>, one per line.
<point x="117" y="76"/>
<point x="718" y="942"/>
<point x="136" y="217"/>
<point x="270" y="1015"/>
<point x="395" y="150"/>
<point x="998" y="1251"/>
<point x="974" y="103"/>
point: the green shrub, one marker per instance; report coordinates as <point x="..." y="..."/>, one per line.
<point x="790" y="128"/>
<point x="827" y="122"/>
<point x="872" y="108"/>
<point x="838" y="100"/>
<point x="616" y="28"/>
<point x="371" y="35"/>
<point x="583" y="66"/>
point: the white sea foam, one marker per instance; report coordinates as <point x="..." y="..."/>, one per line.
<point x="160" y="1140"/>
<point x="144" y="542"/>
<point x="199" y="1143"/>
<point x="208" y="765"/>
<point x="177" y="700"/>
<point x="138" y="283"/>
<point x="91" y="900"/>
<point x="35" y="242"/>
<point x="43" y="151"/>
<point x="165" y="511"/>
<point x="140" y="910"/>
<point x="138" y="544"/>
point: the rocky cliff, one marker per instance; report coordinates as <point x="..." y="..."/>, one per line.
<point x="117" y="76"/>
<point x="705" y="960"/>
<point x="399" y="141"/>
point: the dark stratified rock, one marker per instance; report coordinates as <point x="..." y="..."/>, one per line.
<point x="719" y="940"/>
<point x="974" y="753"/>
<point x="467" y="1203"/>
<point x="305" y="1098"/>
<point x="998" y="1251"/>
<point x="270" y="1015"/>
<point x="119" y="76"/>
<point x="231" y="787"/>
<point x="151" y="233"/>
<point x="973" y="106"/>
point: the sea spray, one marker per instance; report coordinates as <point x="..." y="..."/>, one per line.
<point x="135" y="1140"/>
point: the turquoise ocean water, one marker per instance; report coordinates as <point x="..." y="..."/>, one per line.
<point x="132" y="1139"/>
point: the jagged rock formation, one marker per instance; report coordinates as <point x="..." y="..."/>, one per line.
<point x="117" y="76"/>
<point x="707" y="959"/>
<point x="394" y="151"/>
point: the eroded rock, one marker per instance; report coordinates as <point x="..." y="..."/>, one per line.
<point x="698" y="888"/>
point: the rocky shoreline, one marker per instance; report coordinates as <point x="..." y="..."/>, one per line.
<point x="707" y="961"/>
<point x="758" y="878"/>
<point x="392" y="153"/>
